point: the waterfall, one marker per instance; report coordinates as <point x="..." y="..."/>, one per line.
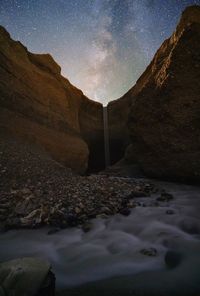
<point x="106" y="137"/>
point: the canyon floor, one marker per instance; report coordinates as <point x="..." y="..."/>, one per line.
<point x="36" y="191"/>
<point x="103" y="235"/>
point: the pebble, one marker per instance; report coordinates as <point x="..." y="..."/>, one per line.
<point x="73" y="202"/>
<point x="36" y="191"/>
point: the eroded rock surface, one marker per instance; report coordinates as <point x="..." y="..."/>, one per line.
<point x="165" y="115"/>
<point x="42" y="107"/>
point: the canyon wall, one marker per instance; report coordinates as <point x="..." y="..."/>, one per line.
<point x="159" y="116"/>
<point x="40" y="106"/>
<point x="164" y="121"/>
<point x="119" y="138"/>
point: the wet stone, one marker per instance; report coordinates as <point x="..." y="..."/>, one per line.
<point x="169" y="212"/>
<point x="125" y="212"/>
<point x="173" y="259"/>
<point x="137" y="193"/>
<point x="165" y="197"/>
<point x="152" y="252"/>
<point x="53" y="231"/>
<point x="27" y="276"/>
<point x="87" y="227"/>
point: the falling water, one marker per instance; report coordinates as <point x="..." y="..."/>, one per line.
<point x="106" y="137"/>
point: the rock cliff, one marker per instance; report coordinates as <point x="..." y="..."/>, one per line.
<point x="119" y="138"/>
<point x="41" y="106"/>
<point x="164" y="121"/>
<point x="160" y="115"/>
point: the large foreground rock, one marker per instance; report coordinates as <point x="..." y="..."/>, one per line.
<point x="165" y="117"/>
<point x="26" y="277"/>
<point x="40" y="106"/>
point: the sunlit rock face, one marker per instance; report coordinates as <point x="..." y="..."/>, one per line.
<point x="41" y="106"/>
<point x="164" y="121"/>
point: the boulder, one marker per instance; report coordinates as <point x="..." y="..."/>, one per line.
<point x="26" y="276"/>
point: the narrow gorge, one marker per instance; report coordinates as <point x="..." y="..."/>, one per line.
<point x="159" y="115"/>
<point x="87" y="206"/>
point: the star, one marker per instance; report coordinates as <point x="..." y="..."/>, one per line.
<point x="103" y="46"/>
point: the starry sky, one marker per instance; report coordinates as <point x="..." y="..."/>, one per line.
<point x="103" y="46"/>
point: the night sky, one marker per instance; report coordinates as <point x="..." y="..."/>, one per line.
<point x="103" y="46"/>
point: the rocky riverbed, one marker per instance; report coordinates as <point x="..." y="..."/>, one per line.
<point x="70" y="201"/>
<point x="121" y="253"/>
<point x="64" y="201"/>
<point x="37" y="191"/>
<point x="123" y="228"/>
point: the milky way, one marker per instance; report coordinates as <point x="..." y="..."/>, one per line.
<point x="103" y="46"/>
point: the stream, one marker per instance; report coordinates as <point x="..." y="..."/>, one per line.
<point x="116" y="246"/>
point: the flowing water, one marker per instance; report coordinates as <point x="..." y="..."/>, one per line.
<point x="113" y="246"/>
<point x="106" y="137"/>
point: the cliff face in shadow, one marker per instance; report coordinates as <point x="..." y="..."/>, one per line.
<point x="119" y="138"/>
<point x="40" y="106"/>
<point x="91" y="128"/>
<point x="164" y="121"/>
